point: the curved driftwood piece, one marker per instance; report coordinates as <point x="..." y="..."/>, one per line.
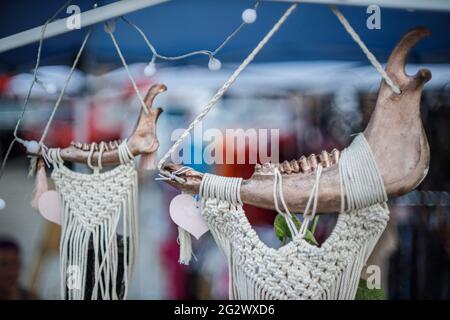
<point x="143" y="140"/>
<point x="395" y="134"/>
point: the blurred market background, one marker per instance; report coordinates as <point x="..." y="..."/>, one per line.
<point x="312" y="82"/>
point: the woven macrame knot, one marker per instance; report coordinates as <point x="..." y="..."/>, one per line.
<point x="221" y="188"/>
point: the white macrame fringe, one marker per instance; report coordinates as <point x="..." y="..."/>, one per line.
<point x="299" y="270"/>
<point x="95" y="208"/>
<point x="185" y="242"/>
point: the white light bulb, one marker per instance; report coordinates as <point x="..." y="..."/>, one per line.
<point x="214" y="64"/>
<point x="150" y="69"/>
<point x="249" y="15"/>
<point x="32" y="146"/>
<point x="50" y="88"/>
<point x="2" y="204"/>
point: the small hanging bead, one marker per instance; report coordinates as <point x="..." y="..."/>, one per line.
<point x="150" y="69"/>
<point x="249" y="15"/>
<point x="32" y="146"/>
<point x="214" y="64"/>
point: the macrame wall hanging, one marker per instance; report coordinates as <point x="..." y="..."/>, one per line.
<point x="300" y="270"/>
<point x="355" y="183"/>
<point x="97" y="262"/>
<point x="93" y="208"/>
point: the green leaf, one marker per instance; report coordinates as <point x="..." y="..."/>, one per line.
<point x="283" y="233"/>
<point x="364" y="293"/>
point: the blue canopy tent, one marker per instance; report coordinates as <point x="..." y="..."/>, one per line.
<point x="176" y="27"/>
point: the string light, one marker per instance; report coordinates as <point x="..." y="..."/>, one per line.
<point x="32" y="146"/>
<point x="248" y="16"/>
<point x="150" y="69"/>
<point x="50" y="88"/>
<point x="27" y="98"/>
<point x="214" y="64"/>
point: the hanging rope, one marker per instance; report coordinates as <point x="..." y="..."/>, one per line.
<point x="63" y="91"/>
<point x="225" y="87"/>
<point x="109" y="30"/>
<point x="35" y="79"/>
<point x="208" y="53"/>
<point x="364" y="48"/>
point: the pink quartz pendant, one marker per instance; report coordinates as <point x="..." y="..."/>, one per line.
<point x="185" y="213"/>
<point x="50" y="206"/>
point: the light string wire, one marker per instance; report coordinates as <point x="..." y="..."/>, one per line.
<point x="63" y="90"/>
<point x="35" y="80"/>
<point x="208" y="53"/>
<point x="223" y="89"/>
<point x="373" y="60"/>
<point x="109" y="30"/>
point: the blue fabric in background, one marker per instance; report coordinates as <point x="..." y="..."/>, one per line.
<point x="176" y="27"/>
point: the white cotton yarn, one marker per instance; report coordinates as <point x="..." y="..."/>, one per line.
<point x="95" y="207"/>
<point x="300" y="270"/>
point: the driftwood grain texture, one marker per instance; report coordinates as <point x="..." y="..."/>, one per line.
<point x="395" y="133"/>
<point x="143" y="140"/>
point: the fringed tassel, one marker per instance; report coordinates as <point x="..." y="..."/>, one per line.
<point x="184" y="240"/>
<point x="32" y="166"/>
<point x="41" y="185"/>
<point x="148" y="161"/>
<point x="75" y="239"/>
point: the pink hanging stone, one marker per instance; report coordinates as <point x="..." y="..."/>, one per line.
<point x="185" y="213"/>
<point x="50" y="206"/>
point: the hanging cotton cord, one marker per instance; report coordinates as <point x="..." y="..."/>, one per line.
<point x="63" y="91"/>
<point x="225" y="87"/>
<point x="221" y="188"/>
<point x="173" y="175"/>
<point x="364" y="48"/>
<point x="208" y="53"/>
<point x="109" y="31"/>
<point x="299" y="270"/>
<point x="92" y="208"/>
<point x="360" y="188"/>
<point x="278" y="193"/>
<point x="313" y="198"/>
<point x="27" y="98"/>
<point x="100" y="155"/>
<point x="125" y="154"/>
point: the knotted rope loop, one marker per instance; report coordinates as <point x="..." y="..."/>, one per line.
<point x="221" y="188"/>
<point x="89" y="159"/>
<point x="125" y="155"/>
<point x="52" y="156"/>
<point x="361" y="181"/>
<point x="313" y="199"/>
<point x="101" y="149"/>
<point x="278" y="193"/>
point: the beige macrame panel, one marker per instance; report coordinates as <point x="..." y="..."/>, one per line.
<point x="300" y="270"/>
<point x="95" y="208"/>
